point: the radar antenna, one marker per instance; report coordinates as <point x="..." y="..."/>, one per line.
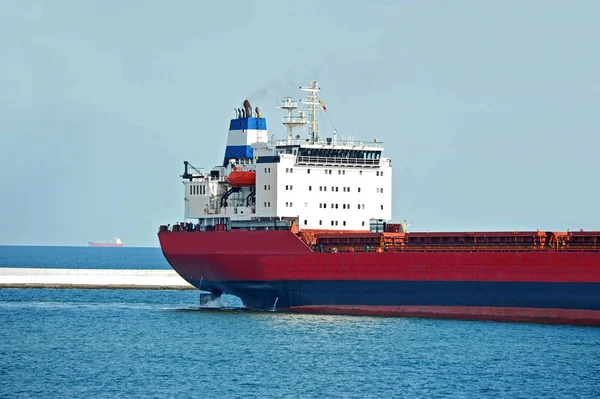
<point x="292" y="121"/>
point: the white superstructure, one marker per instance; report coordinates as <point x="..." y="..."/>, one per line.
<point x="329" y="184"/>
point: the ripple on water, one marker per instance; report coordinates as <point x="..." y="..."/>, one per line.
<point x="111" y="343"/>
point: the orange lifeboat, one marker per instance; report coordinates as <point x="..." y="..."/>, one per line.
<point x="241" y="178"/>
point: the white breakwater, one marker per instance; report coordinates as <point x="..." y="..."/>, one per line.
<point x="92" y="278"/>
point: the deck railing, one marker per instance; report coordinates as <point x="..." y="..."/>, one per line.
<point x="310" y="160"/>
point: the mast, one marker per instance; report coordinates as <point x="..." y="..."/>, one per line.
<point x="313" y="102"/>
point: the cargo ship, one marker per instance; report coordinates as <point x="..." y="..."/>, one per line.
<point x="303" y="224"/>
<point x="116" y="242"/>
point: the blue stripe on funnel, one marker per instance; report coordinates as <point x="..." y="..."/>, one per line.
<point x="248" y="124"/>
<point x="238" y="151"/>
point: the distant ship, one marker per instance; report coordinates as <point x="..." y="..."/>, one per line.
<point x="114" y="243"/>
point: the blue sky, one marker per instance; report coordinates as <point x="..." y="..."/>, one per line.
<point x="489" y="110"/>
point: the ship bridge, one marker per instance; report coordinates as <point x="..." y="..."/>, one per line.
<point x="321" y="183"/>
<point x="348" y="152"/>
<point x="339" y="155"/>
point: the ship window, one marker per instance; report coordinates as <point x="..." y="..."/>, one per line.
<point x="360" y="172"/>
<point x="344" y="222"/>
<point x="286" y="187"/>
<point x="344" y="188"/>
<point x="332" y="222"/>
<point x="320" y="188"/>
<point x="329" y="171"/>
<point x="309" y="188"/>
<point x="269" y="170"/>
<point x="287" y="170"/>
<point x="332" y="188"/>
<point x="359" y="189"/>
<point x="305" y="222"/>
<point x="269" y="203"/>
<point x="291" y="170"/>
<point x="377" y="173"/>
<point x="269" y="189"/>
<point x="320" y="205"/>
<point x="336" y="206"/>
<point x="287" y="204"/>
<point x="381" y="190"/>
<point x="363" y="223"/>
<point x="343" y="172"/>
<point x="291" y="187"/>
<point x="265" y="186"/>
<point x="307" y="172"/>
<point x="377" y="189"/>
<point x="265" y="204"/>
<point x="190" y="190"/>
<point x="324" y="205"/>
<point x="382" y="207"/>
<point x="336" y="222"/>
<point x="339" y="172"/>
<point x="291" y="204"/>
<point x="381" y="173"/>
<point x="358" y="206"/>
<point x="363" y="206"/>
<point x="336" y="189"/>
<point x="321" y="222"/>
<point x="325" y="171"/>
<point x="348" y="189"/>
<point x="324" y="188"/>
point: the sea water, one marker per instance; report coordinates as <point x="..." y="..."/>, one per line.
<point x="120" y="343"/>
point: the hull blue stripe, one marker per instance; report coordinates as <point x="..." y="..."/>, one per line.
<point x="259" y="295"/>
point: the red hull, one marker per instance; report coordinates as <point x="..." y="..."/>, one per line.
<point x="243" y="255"/>
<point x="276" y="268"/>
